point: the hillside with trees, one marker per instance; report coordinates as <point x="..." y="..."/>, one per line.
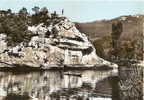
<point x="15" y="25"/>
<point x="102" y="34"/>
<point x="116" y="38"/>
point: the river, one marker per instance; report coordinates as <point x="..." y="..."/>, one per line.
<point x="56" y="85"/>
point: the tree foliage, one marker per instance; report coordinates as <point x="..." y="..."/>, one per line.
<point x="15" y="25"/>
<point x="23" y="13"/>
<point x="117" y="29"/>
<point x="40" y="15"/>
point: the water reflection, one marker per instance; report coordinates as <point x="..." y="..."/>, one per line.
<point x="55" y="85"/>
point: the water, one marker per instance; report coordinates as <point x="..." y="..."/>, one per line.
<point x="56" y="85"/>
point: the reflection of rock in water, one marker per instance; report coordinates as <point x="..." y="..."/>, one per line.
<point x="104" y="87"/>
<point x="52" y="85"/>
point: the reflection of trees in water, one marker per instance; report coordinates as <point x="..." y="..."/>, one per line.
<point x="51" y="85"/>
<point x="131" y="83"/>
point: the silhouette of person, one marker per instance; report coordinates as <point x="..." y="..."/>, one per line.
<point x="62" y="11"/>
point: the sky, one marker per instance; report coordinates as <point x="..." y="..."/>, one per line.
<point x="81" y="10"/>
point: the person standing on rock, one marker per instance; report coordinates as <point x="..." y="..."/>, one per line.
<point x="62" y="11"/>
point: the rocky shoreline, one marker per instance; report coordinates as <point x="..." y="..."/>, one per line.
<point x="26" y="68"/>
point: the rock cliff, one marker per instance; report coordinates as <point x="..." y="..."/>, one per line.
<point x="56" y="43"/>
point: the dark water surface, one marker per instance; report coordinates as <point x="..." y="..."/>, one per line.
<point x="56" y="85"/>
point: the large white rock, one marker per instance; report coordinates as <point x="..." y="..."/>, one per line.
<point x="3" y="43"/>
<point x="59" y="43"/>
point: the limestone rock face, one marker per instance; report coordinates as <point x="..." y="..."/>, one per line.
<point x="3" y="44"/>
<point x="57" y="43"/>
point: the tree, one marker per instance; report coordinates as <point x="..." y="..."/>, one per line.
<point x="36" y="9"/>
<point x="9" y="11"/>
<point x="23" y="12"/>
<point x="117" y="29"/>
<point x="116" y="32"/>
<point x="44" y="10"/>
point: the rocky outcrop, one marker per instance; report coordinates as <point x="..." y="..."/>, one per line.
<point x="58" y="43"/>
